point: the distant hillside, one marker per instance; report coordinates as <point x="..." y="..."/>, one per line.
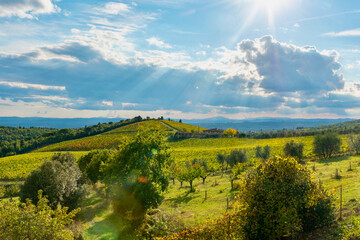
<point x="54" y="122"/>
<point x="263" y="124"/>
<point x="115" y="137"/>
<point x="347" y="124"/>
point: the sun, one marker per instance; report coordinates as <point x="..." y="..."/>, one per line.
<point x="255" y="9"/>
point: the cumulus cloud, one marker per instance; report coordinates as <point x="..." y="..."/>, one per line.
<point x="280" y="67"/>
<point x="260" y="76"/>
<point x="158" y="43"/>
<point x="27" y="8"/>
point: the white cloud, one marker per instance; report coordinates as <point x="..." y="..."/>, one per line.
<point x="158" y="43"/>
<point x="31" y="85"/>
<point x="202" y="53"/>
<point x="347" y="33"/>
<point x="296" y="25"/>
<point x="27" y="8"/>
<point x="107" y="103"/>
<point x="115" y="8"/>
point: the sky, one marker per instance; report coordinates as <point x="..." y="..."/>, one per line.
<point x="180" y="59"/>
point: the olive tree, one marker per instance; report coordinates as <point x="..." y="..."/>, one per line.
<point x="60" y="179"/>
<point x="262" y="153"/>
<point x="295" y="150"/>
<point x="354" y="143"/>
<point x="236" y="156"/>
<point x="325" y="146"/>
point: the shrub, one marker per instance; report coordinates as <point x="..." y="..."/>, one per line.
<point x="295" y="150"/>
<point x="279" y="199"/>
<point x="158" y="224"/>
<point x="60" y="180"/>
<point x="29" y="221"/>
<point x="324" y="146"/>
<point x="12" y="190"/>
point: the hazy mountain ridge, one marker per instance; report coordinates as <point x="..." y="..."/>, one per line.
<point x="254" y="124"/>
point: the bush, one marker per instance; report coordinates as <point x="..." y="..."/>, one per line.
<point x="29" y="221"/>
<point x="295" y="150"/>
<point x="158" y="224"/>
<point x="12" y="190"/>
<point x="60" y="180"/>
<point x="324" y="146"/>
<point x="279" y="199"/>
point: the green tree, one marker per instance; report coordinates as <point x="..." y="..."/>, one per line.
<point x="295" y="150"/>
<point x="60" y="180"/>
<point x="236" y="172"/>
<point x="29" y="221"/>
<point x="262" y="153"/>
<point x="136" y="176"/>
<point x="221" y="159"/>
<point x="205" y="169"/>
<point x="324" y="146"/>
<point x="192" y="172"/>
<point x="91" y="164"/>
<point x="236" y="156"/>
<point x="354" y="143"/>
<point x="280" y="199"/>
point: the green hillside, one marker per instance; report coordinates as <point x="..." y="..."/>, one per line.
<point x="343" y="125"/>
<point x="108" y="140"/>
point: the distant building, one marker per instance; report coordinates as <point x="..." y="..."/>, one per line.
<point x="214" y="131"/>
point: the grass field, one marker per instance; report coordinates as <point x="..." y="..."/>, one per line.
<point x="194" y="209"/>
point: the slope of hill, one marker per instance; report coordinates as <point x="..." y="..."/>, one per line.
<point x="107" y="140"/>
<point x="347" y="124"/>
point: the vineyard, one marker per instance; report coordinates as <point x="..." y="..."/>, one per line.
<point x="103" y="141"/>
<point x="20" y="166"/>
<point x="152" y="124"/>
<point x="183" y="127"/>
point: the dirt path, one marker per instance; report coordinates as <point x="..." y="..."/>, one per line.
<point x="165" y="124"/>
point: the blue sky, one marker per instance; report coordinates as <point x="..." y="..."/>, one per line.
<point x="180" y="59"/>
